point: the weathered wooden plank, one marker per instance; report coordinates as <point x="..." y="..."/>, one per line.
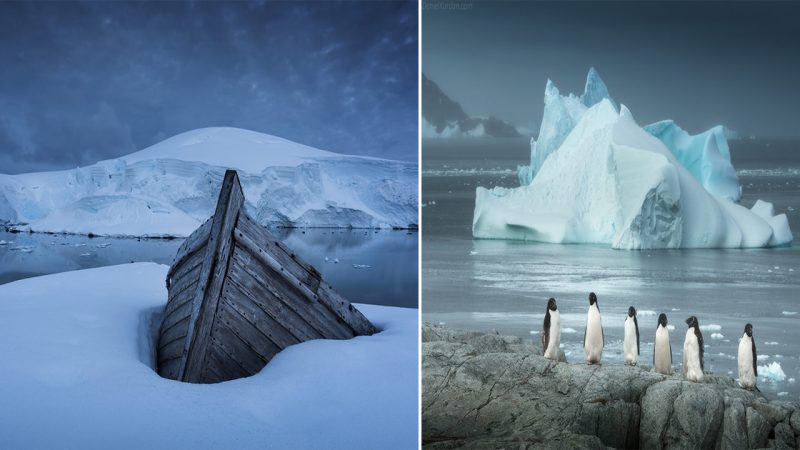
<point x="271" y="329"/>
<point x="316" y="315"/>
<point x="176" y="331"/>
<point x="219" y="362"/>
<point x="341" y="309"/>
<point x="242" y="341"/>
<point x="345" y="311"/>
<point x="257" y="297"/>
<point x="178" y="299"/>
<point x="287" y="259"/>
<point x="218" y="250"/>
<point x="177" y="315"/>
<point x="191" y="245"/>
<point x="169" y="368"/>
<point x="186" y="281"/>
<point x="170" y="351"/>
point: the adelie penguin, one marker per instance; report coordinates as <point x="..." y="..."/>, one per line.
<point x="662" y="352"/>
<point x="551" y="331"/>
<point x="748" y="371"/>
<point x="593" y="333"/>
<point x="693" y="351"/>
<point x="631" y="342"/>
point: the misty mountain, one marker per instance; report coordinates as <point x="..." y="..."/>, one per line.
<point x="444" y="117"/>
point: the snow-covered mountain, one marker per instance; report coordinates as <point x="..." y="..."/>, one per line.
<point x="170" y="188"/>
<point x="443" y="117"/>
<point x="596" y="176"/>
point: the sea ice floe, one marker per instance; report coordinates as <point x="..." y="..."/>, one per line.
<point x="789" y="313"/>
<point x="771" y="343"/>
<point x="568" y="330"/>
<point x="772" y="372"/>
<point x="716" y="336"/>
<point x="710" y="327"/>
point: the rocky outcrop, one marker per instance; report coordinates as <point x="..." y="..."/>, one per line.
<point x="483" y="390"/>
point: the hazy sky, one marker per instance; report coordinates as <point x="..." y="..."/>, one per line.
<point x="702" y="64"/>
<point x="81" y="82"/>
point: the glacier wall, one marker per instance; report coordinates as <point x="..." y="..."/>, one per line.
<point x="171" y="188"/>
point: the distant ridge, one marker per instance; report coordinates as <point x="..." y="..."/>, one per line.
<point x="444" y="117"/>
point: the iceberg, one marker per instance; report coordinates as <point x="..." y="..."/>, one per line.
<point x="706" y="155"/>
<point x="169" y="189"/>
<point x="561" y="114"/>
<point x="612" y="182"/>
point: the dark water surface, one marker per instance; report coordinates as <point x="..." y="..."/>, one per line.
<point x="365" y="266"/>
<point x="504" y="285"/>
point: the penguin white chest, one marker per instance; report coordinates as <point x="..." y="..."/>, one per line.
<point x="747" y="375"/>
<point x="691" y="357"/>
<point x="662" y="357"/>
<point x="593" y="345"/>
<point x="630" y="344"/>
<point x="554" y="343"/>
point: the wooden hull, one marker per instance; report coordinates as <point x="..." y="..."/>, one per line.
<point x="238" y="296"/>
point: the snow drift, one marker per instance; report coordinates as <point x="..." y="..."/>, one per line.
<point x="168" y="189"/>
<point x="611" y="182"/>
<point x="77" y="373"/>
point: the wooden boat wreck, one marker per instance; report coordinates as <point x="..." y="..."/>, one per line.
<point x="238" y="296"/>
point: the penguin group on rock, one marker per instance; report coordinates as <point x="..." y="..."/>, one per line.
<point x="692" y="365"/>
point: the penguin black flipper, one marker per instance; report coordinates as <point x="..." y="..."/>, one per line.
<point x="755" y="366"/>
<point x="546" y="331"/>
<point x="636" y="324"/>
<point x="700" y="344"/>
<point x="584" y="333"/>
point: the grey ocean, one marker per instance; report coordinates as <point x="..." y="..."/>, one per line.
<point x="366" y="266"/>
<point x="504" y="285"/>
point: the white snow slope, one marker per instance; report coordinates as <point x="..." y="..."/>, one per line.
<point x="611" y="182"/>
<point x="170" y="188"/>
<point x="77" y="373"/>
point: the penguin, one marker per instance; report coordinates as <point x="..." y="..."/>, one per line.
<point x="593" y="333"/>
<point x="748" y="370"/>
<point x="551" y="334"/>
<point x="662" y="352"/>
<point x="631" y="341"/>
<point x="693" y="352"/>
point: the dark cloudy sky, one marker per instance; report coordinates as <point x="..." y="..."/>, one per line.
<point x="81" y="82"/>
<point x="702" y="64"/>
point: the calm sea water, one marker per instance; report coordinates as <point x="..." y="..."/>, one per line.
<point x="503" y="285"/>
<point x="365" y="266"/>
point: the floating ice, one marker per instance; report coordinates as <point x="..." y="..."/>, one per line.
<point x="782" y="394"/>
<point x="473" y="252"/>
<point x="789" y="313"/>
<point x="568" y="330"/>
<point x="646" y="313"/>
<point x="85" y="254"/>
<point x="706" y="156"/>
<point x="771" y="372"/>
<point x="710" y="327"/>
<point x="670" y="327"/>
<point x="771" y="343"/>
<point x="361" y="266"/>
<point x="762" y="357"/>
<point x="596" y="176"/>
<point x="717" y="336"/>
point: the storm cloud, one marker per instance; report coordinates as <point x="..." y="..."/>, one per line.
<point x="82" y="82"/>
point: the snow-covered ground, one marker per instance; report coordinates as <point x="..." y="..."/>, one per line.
<point x="77" y="373"/>
<point x="171" y="187"/>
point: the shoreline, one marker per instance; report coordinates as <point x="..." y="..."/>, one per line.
<point x="486" y="390"/>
